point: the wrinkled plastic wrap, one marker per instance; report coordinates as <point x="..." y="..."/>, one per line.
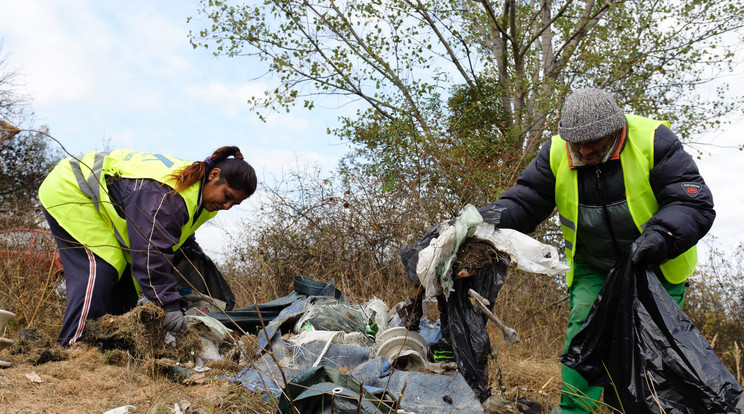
<point x="429" y="262"/>
<point x="657" y="360"/>
<point x="251" y="318"/>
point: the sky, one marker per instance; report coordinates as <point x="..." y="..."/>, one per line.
<point x="105" y="74"/>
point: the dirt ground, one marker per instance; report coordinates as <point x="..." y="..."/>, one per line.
<point x="96" y="375"/>
<point x="86" y="382"/>
<point x="91" y="381"/>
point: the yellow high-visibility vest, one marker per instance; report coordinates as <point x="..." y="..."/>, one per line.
<point x="637" y="159"/>
<point x="75" y="194"/>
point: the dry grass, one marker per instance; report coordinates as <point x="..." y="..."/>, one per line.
<point x="45" y="378"/>
<point x="27" y="289"/>
<point x="86" y="383"/>
<point x="533" y="306"/>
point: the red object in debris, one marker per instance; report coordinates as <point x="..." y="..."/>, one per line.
<point x="30" y="244"/>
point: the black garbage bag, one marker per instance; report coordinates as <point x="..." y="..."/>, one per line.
<point x="464" y="325"/>
<point x="197" y="271"/>
<point x="640" y="346"/>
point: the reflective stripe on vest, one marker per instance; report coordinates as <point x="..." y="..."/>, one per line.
<point x="637" y="161"/>
<point x="75" y="194"/>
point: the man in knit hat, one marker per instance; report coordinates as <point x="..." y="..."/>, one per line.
<point x="618" y="180"/>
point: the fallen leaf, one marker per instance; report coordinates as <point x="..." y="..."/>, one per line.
<point x="34" y="377"/>
<point x="196" y="379"/>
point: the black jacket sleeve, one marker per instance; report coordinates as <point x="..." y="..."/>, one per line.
<point x="530" y="201"/>
<point x="685" y="201"/>
<point x="154" y="217"/>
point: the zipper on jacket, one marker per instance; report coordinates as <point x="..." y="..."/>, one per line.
<point x="605" y="211"/>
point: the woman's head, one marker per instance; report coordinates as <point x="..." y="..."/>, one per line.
<point x="227" y="178"/>
<point x="228" y="181"/>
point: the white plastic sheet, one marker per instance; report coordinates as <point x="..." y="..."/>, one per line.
<point x="434" y="266"/>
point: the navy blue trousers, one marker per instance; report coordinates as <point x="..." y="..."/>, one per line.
<point x="92" y="284"/>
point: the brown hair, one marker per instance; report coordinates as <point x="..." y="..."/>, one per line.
<point x="236" y="171"/>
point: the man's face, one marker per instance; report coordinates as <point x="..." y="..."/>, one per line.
<point x="592" y="152"/>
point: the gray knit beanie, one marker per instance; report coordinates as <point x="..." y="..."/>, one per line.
<point x="589" y="114"/>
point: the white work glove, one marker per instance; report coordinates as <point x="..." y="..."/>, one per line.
<point x="174" y="321"/>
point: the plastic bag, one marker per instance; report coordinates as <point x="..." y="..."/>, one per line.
<point x="195" y="269"/>
<point x="464" y="325"/>
<point x="657" y="361"/>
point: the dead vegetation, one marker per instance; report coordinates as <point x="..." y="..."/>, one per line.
<point x="124" y="362"/>
<point x="139" y="332"/>
<point x="88" y="380"/>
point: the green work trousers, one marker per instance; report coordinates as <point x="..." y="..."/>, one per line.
<point x="577" y="396"/>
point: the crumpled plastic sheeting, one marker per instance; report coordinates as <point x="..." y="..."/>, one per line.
<point x="424" y="392"/>
<point x="429" y="261"/>
<point x="210" y="343"/>
<point x="251" y="318"/>
<point x="434" y="266"/>
<point x="218" y="330"/>
<point x="328" y="390"/>
<point x="525" y="252"/>
<point x="334" y="337"/>
<point x="288" y="315"/>
<point x="329" y="314"/>
<point x="264" y="374"/>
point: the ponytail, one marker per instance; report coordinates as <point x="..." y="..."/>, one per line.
<point x="236" y="171"/>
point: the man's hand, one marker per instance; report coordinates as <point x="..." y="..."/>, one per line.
<point x="651" y="247"/>
<point x="174" y="321"/>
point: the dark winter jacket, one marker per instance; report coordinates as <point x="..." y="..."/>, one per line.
<point x="600" y="241"/>
<point x="143" y="203"/>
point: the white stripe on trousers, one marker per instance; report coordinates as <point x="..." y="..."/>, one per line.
<point x="88" y="296"/>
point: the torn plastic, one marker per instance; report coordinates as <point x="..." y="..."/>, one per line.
<point x="325" y="389"/>
<point x="637" y="342"/>
<point x="210" y="342"/>
<point x="251" y="318"/>
<point x="422" y="392"/>
<point x="429" y="262"/>
<point x="464" y="325"/>
<point x="328" y="314"/>
<point x="435" y="260"/>
<point x="334" y="337"/>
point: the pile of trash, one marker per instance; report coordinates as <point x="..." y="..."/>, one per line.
<point x="332" y="352"/>
<point x="316" y="350"/>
